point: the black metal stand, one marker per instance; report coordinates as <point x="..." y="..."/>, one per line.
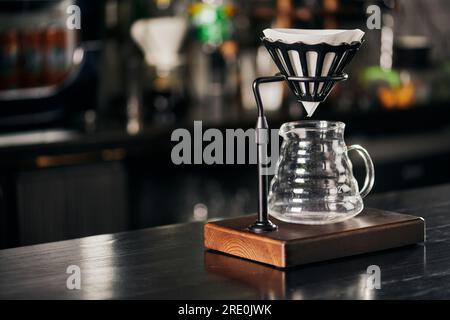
<point x="262" y="223"/>
<point x="322" y="85"/>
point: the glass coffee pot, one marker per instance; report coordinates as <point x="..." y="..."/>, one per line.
<point x="314" y="182"/>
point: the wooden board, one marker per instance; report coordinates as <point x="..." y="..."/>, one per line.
<point x="295" y="244"/>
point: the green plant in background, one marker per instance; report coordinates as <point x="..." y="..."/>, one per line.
<point x="376" y="74"/>
<point x="212" y="22"/>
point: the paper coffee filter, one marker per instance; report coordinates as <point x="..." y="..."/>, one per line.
<point x="333" y="37"/>
<point x="310" y="36"/>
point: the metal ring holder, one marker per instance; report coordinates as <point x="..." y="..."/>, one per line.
<point x="305" y="88"/>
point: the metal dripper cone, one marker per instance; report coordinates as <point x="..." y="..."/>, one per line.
<point x="311" y="69"/>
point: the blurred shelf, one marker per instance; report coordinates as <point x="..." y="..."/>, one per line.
<point x="403" y="132"/>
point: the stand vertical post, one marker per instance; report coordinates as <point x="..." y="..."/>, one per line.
<point x="262" y="223"/>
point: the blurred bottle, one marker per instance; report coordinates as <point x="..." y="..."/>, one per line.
<point x="257" y="65"/>
<point x="9" y="59"/>
<point x="213" y="58"/>
<point x="55" y="48"/>
<point x="33" y="57"/>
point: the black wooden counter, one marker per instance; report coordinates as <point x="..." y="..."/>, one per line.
<point x="169" y="262"/>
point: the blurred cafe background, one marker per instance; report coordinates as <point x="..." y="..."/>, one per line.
<point x="86" y="114"/>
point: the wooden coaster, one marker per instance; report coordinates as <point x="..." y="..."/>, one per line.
<point x="295" y="244"/>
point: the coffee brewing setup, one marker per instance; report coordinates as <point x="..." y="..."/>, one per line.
<point x="316" y="207"/>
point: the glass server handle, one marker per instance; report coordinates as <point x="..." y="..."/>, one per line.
<point x="370" y="170"/>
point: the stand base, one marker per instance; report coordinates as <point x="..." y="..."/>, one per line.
<point x="295" y="244"/>
<point x="260" y="227"/>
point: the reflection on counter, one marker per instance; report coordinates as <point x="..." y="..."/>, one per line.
<point x="330" y="280"/>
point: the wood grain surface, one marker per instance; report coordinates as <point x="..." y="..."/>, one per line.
<point x="295" y="244"/>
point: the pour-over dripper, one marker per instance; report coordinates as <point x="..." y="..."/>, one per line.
<point x="312" y="61"/>
<point x="311" y="70"/>
<point x="160" y="39"/>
